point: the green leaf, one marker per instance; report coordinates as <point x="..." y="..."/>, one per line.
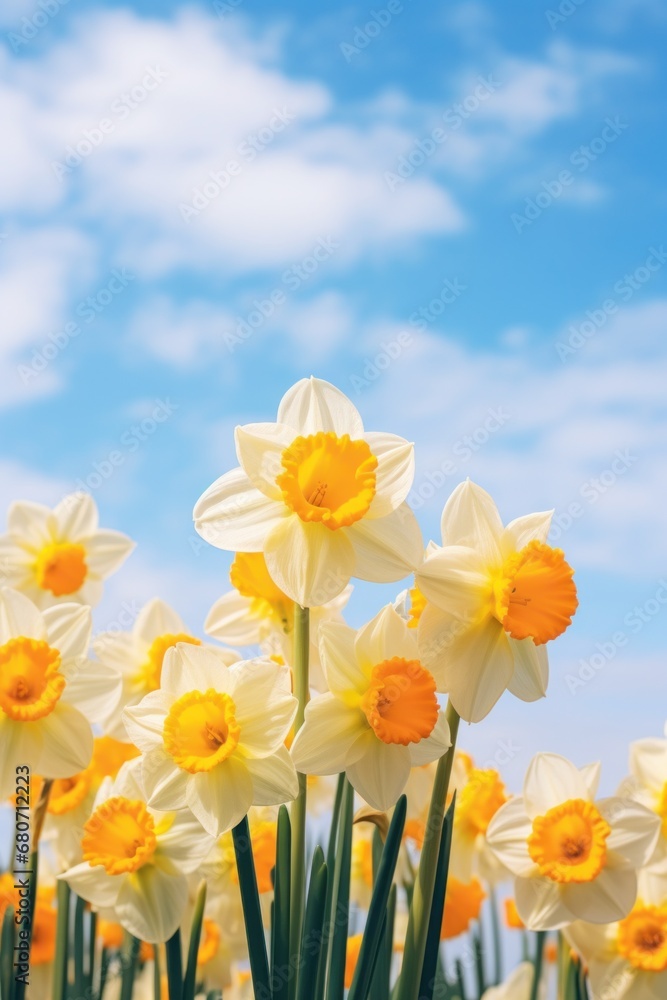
<point x="189" y="983"/>
<point x="252" y="913"/>
<point x="130" y="956"/>
<point x="340" y="902"/>
<point x="280" y="946"/>
<point x="174" y="965"/>
<point x="7" y="955"/>
<point x="331" y="864"/>
<point x="377" y="911"/>
<point x="61" y="957"/>
<point x="460" y="979"/>
<point x="540" y="938"/>
<point x="380" y="986"/>
<point x="478" y="951"/>
<point x="432" y="951"/>
<point x="79" y="947"/>
<point x="312" y="925"/>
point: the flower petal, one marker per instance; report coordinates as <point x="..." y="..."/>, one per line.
<point x="157" y="618"/>
<point x="232" y="514"/>
<point x="395" y="472"/>
<point x="339" y="661"/>
<point x="92" y="883"/>
<point x="187" y="667"/>
<point x="540" y="904"/>
<point x="106" y="551"/>
<point x="151" y="905"/>
<point x="309" y="562"/>
<point x="19" y="617"/>
<point x="476" y="668"/>
<point x="21" y="744"/>
<point x="163" y="781"/>
<point x="230" y="620"/>
<point x="551" y="780"/>
<point x="314" y="405"/>
<point x="68" y="629"/>
<point x="531" y="670"/>
<point x="381" y="772"/>
<point x="265" y="707"/>
<point x="144" y="723"/>
<point x="222" y="797"/>
<point x="648" y="762"/>
<point x="453" y="578"/>
<point x="607" y="898"/>
<point x="274" y="779"/>
<point x="634" y="829"/>
<point x="525" y="529"/>
<point x="67" y="743"/>
<point x="330" y="729"/>
<point x="507" y="836"/>
<point x="30" y="523"/>
<point x="433" y="747"/>
<point x="93" y="688"/>
<point x="471" y="518"/>
<point x="387" y="548"/>
<point x="259" y="449"/>
<point x="386" y="636"/>
<point x="184" y="842"/>
<point x="76" y="517"/>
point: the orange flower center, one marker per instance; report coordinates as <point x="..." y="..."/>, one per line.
<point x="328" y="479"/>
<point x="534" y="594"/>
<point x="210" y="941"/>
<point x="351" y="958"/>
<point x="68" y="793"/>
<point x="151" y="672"/>
<point x="569" y="843"/>
<point x="110" y="933"/>
<point x="479" y="800"/>
<point x="362" y="861"/>
<point x="30" y="679"/>
<point x="120" y="836"/>
<point x="109" y="755"/>
<point x="417" y="605"/>
<point x="43" y="944"/>
<point x="201" y="730"/>
<point x="512" y="918"/>
<point x="642" y="938"/>
<point x="61" y="568"/>
<point x="463" y="902"/>
<point x="400" y="703"/>
<point x="249" y="575"/>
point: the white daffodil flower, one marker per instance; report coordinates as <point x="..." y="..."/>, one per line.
<point x="50" y="692"/>
<point x="136" y="860"/>
<point x="322" y="499"/>
<point x="60" y="555"/>
<point x="495" y="595"/>
<point x="213" y="736"/>
<point x="648" y="785"/>
<point x="381" y="716"/>
<point x="517" y="986"/>
<point x="573" y="858"/>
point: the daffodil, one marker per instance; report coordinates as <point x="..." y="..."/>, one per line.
<point x="60" y="555"/>
<point x="628" y="960"/>
<point x="479" y="797"/>
<point x="381" y="715"/>
<point x="648" y="785"/>
<point x="136" y="860"/>
<point x="517" y="986"/>
<point x="322" y="499"/>
<point x="213" y="736"/>
<point x="257" y="611"/>
<point x="50" y="692"/>
<point x="138" y="654"/>
<point x="494" y="597"/>
<point x="573" y="858"/>
<point x="463" y="904"/>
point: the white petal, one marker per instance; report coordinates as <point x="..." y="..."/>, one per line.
<point x="507" y="837"/>
<point x="551" y="780"/>
<point x="19" y="617"/>
<point x="634" y="829"/>
<point x="314" y="405"/>
<point x="395" y="471"/>
<point x="187" y="667"/>
<point x="157" y="618"/>
<point x="32" y="523"/>
<point x="230" y="620"/>
<point x="68" y="629"/>
<point x="93" y="688"/>
<point x="76" y="517"/>
<point x="20" y="743"/>
<point x="386" y="636"/>
<point x="471" y="518"/>
<point x="540" y="905"/>
<point x="151" y="906"/>
<point x="648" y="762"/>
<point x="220" y="798"/>
<point x="591" y="775"/>
<point x="525" y="529"/>
<point x="330" y="729"/>
<point x="436" y="632"/>
<point x="607" y="898"/>
<point x="259" y="449"/>
<point x="453" y="578"/>
<point x="387" y="548"/>
<point x="106" y="551"/>
<point x="432" y="747"/>
<point x="339" y="660"/>
<point x="531" y="670"/>
<point x="265" y="708"/>
<point x="476" y="668"/>
<point x="164" y="781"/>
<point x="309" y="562"/>
<point x="381" y="773"/>
<point x="129" y="781"/>
<point x="93" y="884"/>
<point x="232" y="514"/>
<point x="67" y="743"/>
<point x="274" y="779"/>
<point x="185" y="843"/>
<point x="144" y="722"/>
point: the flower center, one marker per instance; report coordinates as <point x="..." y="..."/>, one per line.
<point x="210" y="941"/>
<point x="120" y="836"/>
<point x="417" y="605"/>
<point x="30" y="679"/>
<point x="568" y="843"/>
<point x="662" y="809"/>
<point x="68" y="793"/>
<point x="151" y="671"/>
<point x="43" y="943"/>
<point x="109" y="755"/>
<point x="463" y="902"/>
<point x="61" y="568"/>
<point x="642" y="938"/>
<point x="534" y="594"/>
<point x="479" y="800"/>
<point x="328" y="478"/>
<point x="362" y="861"/>
<point x="400" y="703"/>
<point x="201" y="730"/>
<point x="249" y="575"/>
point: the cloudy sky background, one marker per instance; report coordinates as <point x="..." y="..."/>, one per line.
<point x="529" y="236"/>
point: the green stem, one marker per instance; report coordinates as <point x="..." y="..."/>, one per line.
<point x="422" y="899"/>
<point x="174" y="966"/>
<point x="537" y="964"/>
<point x="79" y="948"/>
<point x="497" y="946"/>
<point x="157" y="974"/>
<point x="62" y="928"/>
<point x="298" y="810"/>
<point x="130" y="956"/>
<point x="252" y="912"/>
<point x="193" y="948"/>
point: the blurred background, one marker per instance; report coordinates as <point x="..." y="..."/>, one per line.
<point x="455" y="212"/>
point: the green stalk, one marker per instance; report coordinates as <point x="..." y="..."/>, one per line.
<point x="281" y="908"/>
<point x="79" y="948"/>
<point x="92" y="931"/>
<point x="537" y="964"/>
<point x="130" y="956"/>
<point x="298" y="810"/>
<point x="312" y="924"/>
<point x="174" y="966"/>
<point x="497" y="947"/>
<point x="62" y="928"/>
<point x="331" y="865"/>
<point x="340" y="900"/>
<point x="422" y="899"/>
<point x="189" y="982"/>
<point x="252" y="913"/>
<point x="7" y="955"/>
<point x="157" y="974"/>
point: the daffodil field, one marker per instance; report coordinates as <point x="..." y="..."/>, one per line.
<point x="296" y="821"/>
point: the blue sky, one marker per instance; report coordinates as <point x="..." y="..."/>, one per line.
<point x="485" y="185"/>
